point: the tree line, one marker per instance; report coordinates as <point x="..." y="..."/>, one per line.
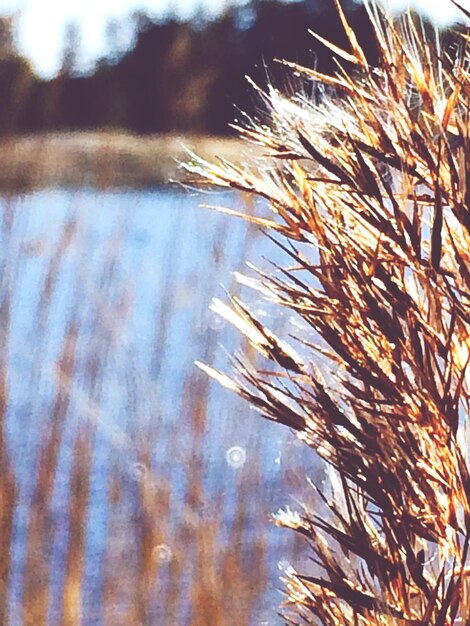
<point x="183" y="76"/>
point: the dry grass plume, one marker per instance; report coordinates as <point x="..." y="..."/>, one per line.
<point x="368" y="185"/>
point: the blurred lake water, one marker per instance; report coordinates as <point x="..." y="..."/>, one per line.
<point x="134" y="490"/>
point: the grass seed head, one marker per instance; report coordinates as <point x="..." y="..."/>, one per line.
<point x="369" y="183"/>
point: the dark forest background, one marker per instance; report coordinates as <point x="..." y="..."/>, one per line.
<point x="182" y="76"/>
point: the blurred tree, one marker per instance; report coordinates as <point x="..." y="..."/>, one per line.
<point x="71" y="51"/>
<point x="16" y="80"/>
<point x="64" y="105"/>
<point x="113" y="40"/>
<point x="182" y="75"/>
<point x="7" y="46"/>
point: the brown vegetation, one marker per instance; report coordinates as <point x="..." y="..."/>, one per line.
<point x="172" y="546"/>
<point x="103" y="159"/>
<point x="369" y="189"/>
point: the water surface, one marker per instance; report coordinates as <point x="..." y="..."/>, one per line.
<point x="105" y="309"/>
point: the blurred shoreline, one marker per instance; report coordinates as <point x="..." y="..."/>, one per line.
<point x="105" y="159"/>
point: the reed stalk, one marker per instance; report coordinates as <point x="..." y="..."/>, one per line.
<point x="368" y="185"/>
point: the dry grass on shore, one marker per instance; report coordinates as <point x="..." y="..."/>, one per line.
<point x="369" y="191"/>
<point x="103" y="159"/>
<point x="107" y="515"/>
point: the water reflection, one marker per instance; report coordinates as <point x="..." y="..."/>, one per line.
<point x="121" y="503"/>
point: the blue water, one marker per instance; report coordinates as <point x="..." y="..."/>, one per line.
<point x="132" y="280"/>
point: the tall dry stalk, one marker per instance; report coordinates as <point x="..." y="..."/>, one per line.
<point x="369" y="187"/>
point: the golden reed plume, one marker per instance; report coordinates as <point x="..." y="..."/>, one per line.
<point x="368" y="184"/>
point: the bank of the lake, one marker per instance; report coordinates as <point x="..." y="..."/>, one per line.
<point x="105" y="159"/>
